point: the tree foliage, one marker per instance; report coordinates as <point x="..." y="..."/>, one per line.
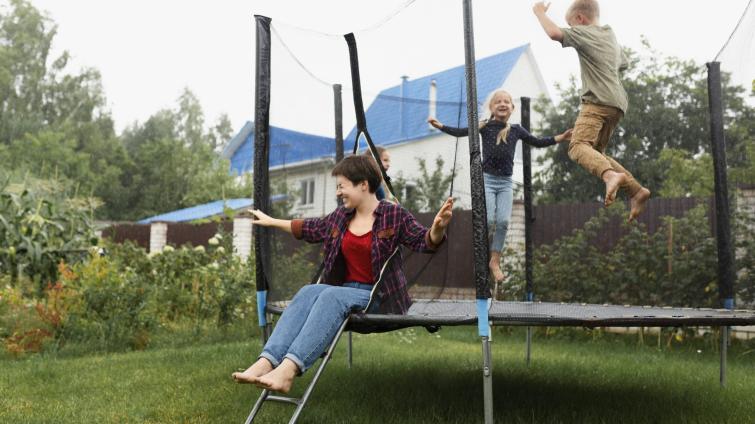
<point x="668" y="109"/>
<point x="426" y="193"/>
<point x="54" y="124"/>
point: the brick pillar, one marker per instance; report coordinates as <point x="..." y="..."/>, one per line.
<point x="242" y="236"/>
<point x="158" y="236"/>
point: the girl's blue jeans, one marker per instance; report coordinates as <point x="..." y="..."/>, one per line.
<point x="311" y="321"/>
<point x="499" y="199"/>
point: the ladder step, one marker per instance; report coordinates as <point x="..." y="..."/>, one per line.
<point x="284" y="399"/>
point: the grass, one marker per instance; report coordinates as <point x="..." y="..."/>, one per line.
<point x="400" y="377"/>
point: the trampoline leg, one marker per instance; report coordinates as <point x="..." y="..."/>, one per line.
<point x="724" y="348"/>
<point x="349" y="351"/>
<point x="529" y="345"/>
<point x="487" y="380"/>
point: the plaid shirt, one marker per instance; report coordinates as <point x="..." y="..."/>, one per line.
<point x="393" y="226"/>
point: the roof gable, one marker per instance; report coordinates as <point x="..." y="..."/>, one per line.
<point x="400" y="113"/>
<point x="397" y="114"/>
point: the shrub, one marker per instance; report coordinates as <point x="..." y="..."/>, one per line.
<point x="675" y="266"/>
<point x="40" y="225"/>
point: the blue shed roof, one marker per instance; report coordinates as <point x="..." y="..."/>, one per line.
<point x="206" y="210"/>
<point x="400" y="113"/>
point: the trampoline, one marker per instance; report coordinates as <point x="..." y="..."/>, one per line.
<point x="483" y="311"/>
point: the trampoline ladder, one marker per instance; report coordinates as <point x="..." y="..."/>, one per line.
<point x="299" y="402"/>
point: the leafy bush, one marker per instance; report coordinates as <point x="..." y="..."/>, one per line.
<point x="676" y="265"/>
<point x="40" y="225"/>
<point x="121" y="300"/>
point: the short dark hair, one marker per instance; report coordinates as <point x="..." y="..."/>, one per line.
<point x="358" y="168"/>
<point x="380" y="151"/>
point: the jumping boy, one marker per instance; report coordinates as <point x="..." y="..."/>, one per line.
<point x="604" y="100"/>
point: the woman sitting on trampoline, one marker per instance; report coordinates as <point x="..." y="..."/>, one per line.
<point x="498" y="147"/>
<point x="358" y="239"/>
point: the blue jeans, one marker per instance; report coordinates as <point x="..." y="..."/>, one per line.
<point x="499" y="199"/>
<point x="311" y="320"/>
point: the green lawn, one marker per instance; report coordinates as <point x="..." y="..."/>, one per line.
<point x="400" y="377"/>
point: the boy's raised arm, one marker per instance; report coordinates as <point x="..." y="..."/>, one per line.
<point x="554" y="32"/>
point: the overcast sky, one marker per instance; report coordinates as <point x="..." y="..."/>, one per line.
<point x="149" y="50"/>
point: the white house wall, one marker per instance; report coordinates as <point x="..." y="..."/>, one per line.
<point x="325" y="188"/>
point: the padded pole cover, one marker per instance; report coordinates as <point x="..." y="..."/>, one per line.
<point x="262" y="148"/>
<point x="479" y="212"/>
<point x="726" y="275"/>
<point x="359" y="109"/>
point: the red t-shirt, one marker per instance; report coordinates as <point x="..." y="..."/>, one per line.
<point x="357" y="252"/>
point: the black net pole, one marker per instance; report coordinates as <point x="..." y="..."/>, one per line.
<point x="479" y="215"/>
<point x="479" y="212"/>
<point x="718" y="147"/>
<point x="723" y="229"/>
<point x="261" y="161"/>
<point x="356" y="84"/>
<point x="338" y="121"/>
<point x="529" y="218"/>
<point x="338" y="106"/>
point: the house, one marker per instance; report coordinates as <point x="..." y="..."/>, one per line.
<point x="397" y="120"/>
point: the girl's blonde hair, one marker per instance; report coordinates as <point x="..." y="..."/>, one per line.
<point x="504" y="133"/>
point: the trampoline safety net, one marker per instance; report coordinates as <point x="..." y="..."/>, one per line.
<point x="400" y="73"/>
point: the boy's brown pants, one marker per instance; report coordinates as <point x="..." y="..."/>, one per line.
<point x="593" y="129"/>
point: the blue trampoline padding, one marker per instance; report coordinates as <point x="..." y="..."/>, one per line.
<point x="261" y="304"/>
<point x="483" y="324"/>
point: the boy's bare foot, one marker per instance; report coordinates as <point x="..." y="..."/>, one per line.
<point x="280" y="379"/>
<point x="495" y="267"/>
<point x="614" y="180"/>
<point x="637" y="202"/>
<point x="250" y="376"/>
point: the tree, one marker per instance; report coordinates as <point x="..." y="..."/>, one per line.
<point x="687" y="176"/>
<point x="54" y="125"/>
<point x="174" y="161"/>
<point x="429" y="191"/>
<point x="668" y="109"/>
<point x="37" y="92"/>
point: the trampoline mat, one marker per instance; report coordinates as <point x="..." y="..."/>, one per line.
<point x="434" y="313"/>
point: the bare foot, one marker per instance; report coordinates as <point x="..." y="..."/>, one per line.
<point x="613" y="181"/>
<point x="250" y="376"/>
<point x="638" y="203"/>
<point x="280" y="379"/>
<point x="495" y="267"/>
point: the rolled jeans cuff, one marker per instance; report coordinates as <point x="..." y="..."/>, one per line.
<point x="299" y="363"/>
<point x="271" y="358"/>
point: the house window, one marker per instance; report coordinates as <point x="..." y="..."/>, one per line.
<point x="307" y="192"/>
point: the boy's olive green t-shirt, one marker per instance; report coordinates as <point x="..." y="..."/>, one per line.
<point x="600" y="60"/>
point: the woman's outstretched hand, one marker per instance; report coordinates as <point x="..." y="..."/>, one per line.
<point x="441" y="221"/>
<point x="261" y="218"/>
<point x="434" y="122"/>
<point x="564" y="136"/>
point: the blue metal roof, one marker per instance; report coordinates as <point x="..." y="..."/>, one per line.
<point x="204" y="211"/>
<point x="400" y="113"/>
<point x="286" y="146"/>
